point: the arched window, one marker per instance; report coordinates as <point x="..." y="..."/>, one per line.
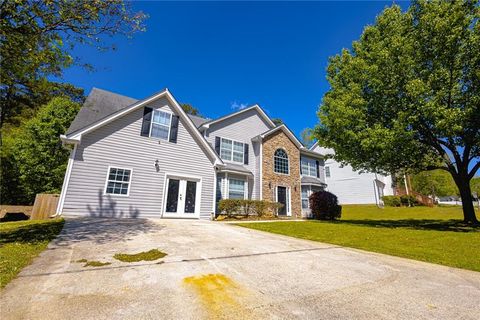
<point x="280" y="161"/>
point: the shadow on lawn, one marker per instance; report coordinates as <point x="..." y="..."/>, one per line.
<point x="417" y="224"/>
<point x="31" y="233"/>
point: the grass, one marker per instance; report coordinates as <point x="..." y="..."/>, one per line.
<point x="435" y="235"/>
<point x="21" y="241"/>
<point x="150" y="255"/>
<point x="93" y="263"/>
<point x="96" y="264"/>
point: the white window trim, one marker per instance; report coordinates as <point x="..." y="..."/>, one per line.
<point x="169" y="127"/>
<point x="327" y="168"/>
<point x="231" y="152"/>
<point x="288" y="163"/>
<point x="198" y="195"/>
<point x="245" y="187"/>
<point x="107" y="179"/>
<point x="309" y="193"/>
<point x="309" y="162"/>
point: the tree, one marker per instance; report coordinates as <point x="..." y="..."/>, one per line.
<point x="277" y="121"/>
<point x="475" y="185"/>
<point x="437" y="183"/>
<point x="35" y="156"/>
<point x="407" y="95"/>
<point x="306" y="137"/>
<point x="36" y="43"/>
<point x="189" y="109"/>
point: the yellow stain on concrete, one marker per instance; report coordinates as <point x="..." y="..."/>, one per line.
<point x="220" y="296"/>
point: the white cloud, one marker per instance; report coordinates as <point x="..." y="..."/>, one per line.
<point x="239" y="106"/>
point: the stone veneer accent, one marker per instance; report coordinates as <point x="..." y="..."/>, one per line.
<point x="270" y="144"/>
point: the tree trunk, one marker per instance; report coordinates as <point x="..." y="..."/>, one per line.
<point x="463" y="184"/>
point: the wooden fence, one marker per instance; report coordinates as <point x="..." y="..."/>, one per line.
<point x="45" y="206"/>
<point x="4" y="209"/>
<point x="423" y="199"/>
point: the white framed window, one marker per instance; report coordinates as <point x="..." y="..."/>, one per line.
<point x="161" y="123"/>
<point x="236" y="189"/>
<point x="309" y="167"/>
<point x="118" y="181"/>
<point x="280" y="161"/>
<point x="327" y="172"/>
<point x="231" y="150"/>
<point x="305" y="195"/>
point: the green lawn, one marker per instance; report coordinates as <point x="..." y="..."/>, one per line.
<point x="434" y="235"/>
<point x="22" y="241"/>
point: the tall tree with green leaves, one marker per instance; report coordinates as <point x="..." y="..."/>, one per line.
<point x="37" y="39"/>
<point x="189" y="109"/>
<point x="306" y="136"/>
<point x="35" y="155"/>
<point x="407" y="94"/>
<point x="437" y="183"/>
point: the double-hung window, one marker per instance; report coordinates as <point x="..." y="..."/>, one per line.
<point x="232" y="150"/>
<point x="305" y="195"/>
<point x="309" y="167"/>
<point x="327" y="172"/>
<point x="118" y="181"/>
<point x="236" y="189"/>
<point x="161" y="122"/>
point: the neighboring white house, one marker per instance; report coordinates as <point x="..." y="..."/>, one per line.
<point x="352" y="187"/>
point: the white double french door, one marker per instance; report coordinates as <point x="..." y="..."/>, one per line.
<point x="182" y="197"/>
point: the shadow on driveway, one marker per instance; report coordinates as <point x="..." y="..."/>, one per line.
<point x="103" y="230"/>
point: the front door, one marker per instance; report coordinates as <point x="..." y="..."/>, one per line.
<point x="282" y="198"/>
<point x="181" y="197"/>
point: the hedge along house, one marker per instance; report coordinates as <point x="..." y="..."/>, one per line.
<point x="149" y="158"/>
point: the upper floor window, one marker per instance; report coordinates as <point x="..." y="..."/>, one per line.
<point x="280" y="161"/>
<point x="161" y="121"/>
<point x="232" y="150"/>
<point x="309" y="167"/>
<point x="327" y="172"/>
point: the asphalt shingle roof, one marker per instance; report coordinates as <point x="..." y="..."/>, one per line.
<point x="101" y="103"/>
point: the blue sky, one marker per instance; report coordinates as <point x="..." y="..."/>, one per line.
<point x="219" y="56"/>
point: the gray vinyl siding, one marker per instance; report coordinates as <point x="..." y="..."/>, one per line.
<point x="243" y="128"/>
<point x="119" y="144"/>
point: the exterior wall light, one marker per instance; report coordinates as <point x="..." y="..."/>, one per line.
<point x="157" y="165"/>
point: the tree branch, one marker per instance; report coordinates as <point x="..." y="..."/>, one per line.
<point x="474" y="170"/>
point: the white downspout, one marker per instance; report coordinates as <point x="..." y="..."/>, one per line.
<point x="66" y="180"/>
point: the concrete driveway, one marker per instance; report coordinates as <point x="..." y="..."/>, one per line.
<point x="215" y="270"/>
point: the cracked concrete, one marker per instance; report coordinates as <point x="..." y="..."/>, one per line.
<point x="239" y="274"/>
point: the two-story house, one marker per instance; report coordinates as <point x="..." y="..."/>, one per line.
<point x="149" y="158"/>
<point x="350" y="186"/>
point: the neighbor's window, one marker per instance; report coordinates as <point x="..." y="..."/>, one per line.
<point x="231" y="150"/>
<point x="280" y="161"/>
<point x="327" y="172"/>
<point x="160" y="124"/>
<point x="236" y="189"/>
<point x="118" y="181"/>
<point x="309" y="167"/>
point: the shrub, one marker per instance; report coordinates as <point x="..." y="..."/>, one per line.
<point x="232" y="207"/>
<point x="260" y="207"/>
<point x="409" y="200"/>
<point x="324" y="206"/>
<point x="392" y="201"/>
<point x="398" y="201"/>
